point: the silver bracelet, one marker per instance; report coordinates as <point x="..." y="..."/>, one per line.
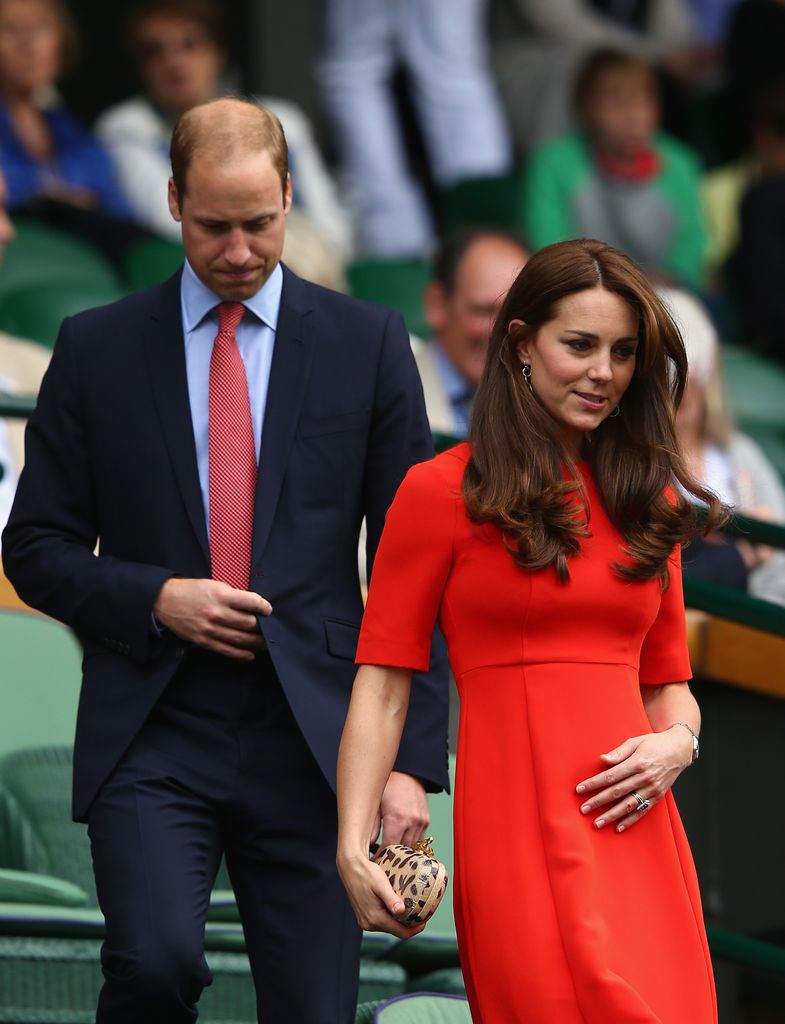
<point x="696" y="749"/>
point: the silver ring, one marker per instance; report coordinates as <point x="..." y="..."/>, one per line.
<point x="643" y="803"/>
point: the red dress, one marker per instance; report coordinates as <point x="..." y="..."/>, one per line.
<point x="582" y="926"/>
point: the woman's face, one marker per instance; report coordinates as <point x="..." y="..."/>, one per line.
<point x="31" y="45"/>
<point x="179" y="63"/>
<point x="582" y="360"/>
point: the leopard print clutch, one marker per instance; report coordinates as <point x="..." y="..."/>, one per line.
<point x="418" y="878"/>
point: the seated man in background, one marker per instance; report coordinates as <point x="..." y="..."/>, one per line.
<point x="472" y="271"/>
<point x="22" y="365"/>
<point x="181" y="55"/>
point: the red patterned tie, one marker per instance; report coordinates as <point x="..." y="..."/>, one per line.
<point x="232" y="455"/>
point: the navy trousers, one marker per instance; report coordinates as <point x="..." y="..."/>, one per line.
<point x="221" y="768"/>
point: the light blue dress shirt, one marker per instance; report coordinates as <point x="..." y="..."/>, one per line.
<point x="255" y="340"/>
<point x="457" y="388"/>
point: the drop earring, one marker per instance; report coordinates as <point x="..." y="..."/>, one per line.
<point x="527" y="376"/>
<point x="615" y="413"/>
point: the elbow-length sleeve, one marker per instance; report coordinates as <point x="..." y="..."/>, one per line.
<point x="665" y="656"/>
<point x="409" y="572"/>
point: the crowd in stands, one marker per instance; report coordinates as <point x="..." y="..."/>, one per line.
<point x="656" y="125"/>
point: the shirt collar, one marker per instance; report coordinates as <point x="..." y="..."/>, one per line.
<point x="198" y="300"/>
<point x="457" y="387"/>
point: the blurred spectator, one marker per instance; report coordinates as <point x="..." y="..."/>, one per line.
<point x="759" y="263"/>
<point x="619" y="178"/>
<point x="711" y="19"/>
<point x="727" y="461"/>
<point x="181" y="55"/>
<point x="472" y="272"/>
<point x="755" y="56"/>
<point x="441" y="46"/>
<point x="55" y="170"/>
<point x="541" y="44"/>
<point x="22" y="365"/>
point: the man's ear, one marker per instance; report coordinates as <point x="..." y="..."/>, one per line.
<point x="434" y="304"/>
<point x="287" y="194"/>
<point x="519" y="331"/>
<point x="173" y="197"/>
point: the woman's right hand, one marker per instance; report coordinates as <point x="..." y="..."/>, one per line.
<point x="374" y="901"/>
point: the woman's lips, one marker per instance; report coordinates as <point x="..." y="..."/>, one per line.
<point x="591" y="401"/>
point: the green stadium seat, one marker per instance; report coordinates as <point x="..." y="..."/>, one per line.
<point x="398" y="284"/>
<point x="41" y="676"/>
<point x="41" y="254"/>
<point x="36" y="311"/>
<point x="491" y="202"/>
<point x="152" y="261"/>
<point x="448" y="979"/>
<point x="756" y="387"/>
<point x="423" y="1008"/>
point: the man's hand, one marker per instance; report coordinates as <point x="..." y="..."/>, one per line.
<point x="404" y="810"/>
<point x="213" y="615"/>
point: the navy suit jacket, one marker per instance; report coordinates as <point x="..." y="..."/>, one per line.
<point x="111" y="460"/>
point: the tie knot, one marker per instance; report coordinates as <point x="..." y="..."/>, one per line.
<point x="229" y="316"/>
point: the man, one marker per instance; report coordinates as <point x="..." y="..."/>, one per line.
<point x="22" y="365"/>
<point x="472" y="273"/>
<point x="211" y="708"/>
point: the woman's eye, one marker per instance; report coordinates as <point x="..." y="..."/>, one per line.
<point x="625" y="352"/>
<point x="577" y="345"/>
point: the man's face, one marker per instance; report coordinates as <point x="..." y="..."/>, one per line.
<point x="31" y="42"/>
<point x="233" y="220"/>
<point x="462" y="320"/>
<point x="179" y="63"/>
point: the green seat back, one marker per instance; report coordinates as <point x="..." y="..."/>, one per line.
<point x="398" y="284"/>
<point x="491" y="202"/>
<point x="756" y="387"/>
<point x="424" y="1008"/>
<point x="41" y="254"/>
<point x="39" y="682"/>
<point x="37" y="311"/>
<point x="151" y="261"/>
<point x="35" y="814"/>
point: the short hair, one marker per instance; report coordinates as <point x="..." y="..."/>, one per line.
<point x="453" y="247"/>
<point x="207" y="14"/>
<point x="602" y="62"/>
<point x="261" y="133"/>
<point x="71" y="45"/>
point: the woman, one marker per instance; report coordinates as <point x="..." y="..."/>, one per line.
<point x="726" y="460"/>
<point x="45" y="153"/>
<point x="548" y="549"/>
<point x="56" y="171"/>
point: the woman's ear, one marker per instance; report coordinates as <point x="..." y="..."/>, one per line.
<point x="521" y="336"/>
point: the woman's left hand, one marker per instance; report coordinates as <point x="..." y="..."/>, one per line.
<point x="647" y="765"/>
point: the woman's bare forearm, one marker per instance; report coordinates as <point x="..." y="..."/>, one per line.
<point x="369" y="746"/>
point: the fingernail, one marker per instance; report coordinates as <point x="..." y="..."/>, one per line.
<point x="580" y="789"/>
<point x="620" y="828"/>
<point x="586" y="808"/>
<point x="599" y="822"/>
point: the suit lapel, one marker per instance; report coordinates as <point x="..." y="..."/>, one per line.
<point x="165" y="351"/>
<point x="288" y="382"/>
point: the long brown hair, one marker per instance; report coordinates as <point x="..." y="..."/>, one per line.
<point x="522" y="477"/>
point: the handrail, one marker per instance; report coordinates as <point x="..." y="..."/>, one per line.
<point x="734" y="605"/>
<point x="756" y="530"/>
<point x="745" y="951"/>
<point x="16" y="406"/>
